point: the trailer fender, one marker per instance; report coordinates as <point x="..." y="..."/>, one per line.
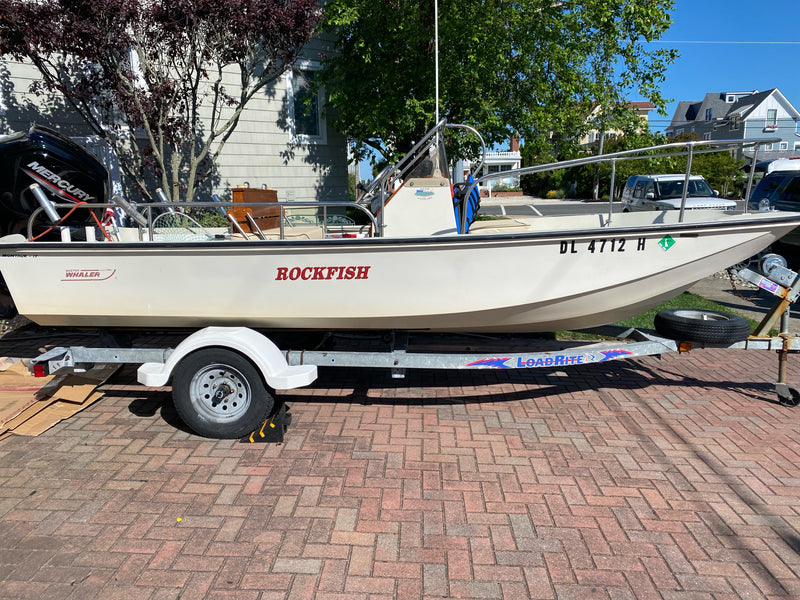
<point x="259" y="349"/>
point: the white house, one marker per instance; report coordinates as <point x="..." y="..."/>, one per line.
<point x="640" y="108"/>
<point x="750" y="115"/>
<point x="274" y="145"/>
<point x="496" y="163"/>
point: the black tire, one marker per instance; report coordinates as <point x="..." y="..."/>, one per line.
<point x="708" y="326"/>
<point x="220" y="394"/>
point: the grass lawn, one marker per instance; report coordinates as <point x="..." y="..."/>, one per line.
<point x="645" y="320"/>
<point x="685" y="300"/>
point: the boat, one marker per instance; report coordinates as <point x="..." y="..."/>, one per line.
<point x="420" y="262"/>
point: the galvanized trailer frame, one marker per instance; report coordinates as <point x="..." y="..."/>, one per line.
<point x="277" y="368"/>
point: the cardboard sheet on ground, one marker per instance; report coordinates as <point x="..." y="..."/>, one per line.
<point x="30" y="405"/>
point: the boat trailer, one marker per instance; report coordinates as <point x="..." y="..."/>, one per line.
<point x="221" y="376"/>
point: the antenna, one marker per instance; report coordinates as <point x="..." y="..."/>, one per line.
<point x="436" y="54"/>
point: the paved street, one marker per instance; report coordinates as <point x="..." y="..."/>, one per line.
<point x="671" y="479"/>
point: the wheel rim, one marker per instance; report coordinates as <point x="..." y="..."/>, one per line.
<point x="220" y="393"/>
<point x="700" y="315"/>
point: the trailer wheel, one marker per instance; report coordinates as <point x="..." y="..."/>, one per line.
<point x="709" y="326"/>
<point x="788" y="395"/>
<point x="219" y="393"/>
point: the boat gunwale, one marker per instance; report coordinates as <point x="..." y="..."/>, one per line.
<point x="457" y="240"/>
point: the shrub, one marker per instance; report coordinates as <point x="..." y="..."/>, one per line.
<point x="210" y="217"/>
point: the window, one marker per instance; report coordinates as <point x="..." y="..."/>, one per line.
<point x="734" y="124"/>
<point x="709" y="112"/>
<point x="784" y="146"/>
<point x="796" y="146"/>
<point x="765" y="148"/>
<point x="792" y="192"/>
<point x="679" y="132"/>
<point x="304" y="102"/>
<point x="772" y="119"/>
<point x="494" y="169"/>
<point x="706" y="136"/>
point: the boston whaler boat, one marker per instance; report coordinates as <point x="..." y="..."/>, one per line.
<point x="417" y="271"/>
<point x="421" y="263"/>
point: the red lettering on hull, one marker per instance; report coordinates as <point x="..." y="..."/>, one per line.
<point x="88" y="274"/>
<point x="322" y="273"/>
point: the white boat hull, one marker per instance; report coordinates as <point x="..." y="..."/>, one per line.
<point x="545" y="278"/>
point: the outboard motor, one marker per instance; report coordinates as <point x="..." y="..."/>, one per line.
<point x="66" y="171"/>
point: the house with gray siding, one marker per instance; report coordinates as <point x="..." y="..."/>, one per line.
<point x="749" y="115"/>
<point x="278" y="143"/>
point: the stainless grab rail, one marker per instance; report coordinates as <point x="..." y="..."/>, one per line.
<point x="688" y="149"/>
<point x="148" y="207"/>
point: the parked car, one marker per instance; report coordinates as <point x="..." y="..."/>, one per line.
<point x="780" y="187"/>
<point x="780" y="190"/>
<point x="664" y="192"/>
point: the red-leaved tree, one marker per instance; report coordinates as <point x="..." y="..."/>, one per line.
<point x="163" y="81"/>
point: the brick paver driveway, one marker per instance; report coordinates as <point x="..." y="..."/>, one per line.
<point x="653" y="479"/>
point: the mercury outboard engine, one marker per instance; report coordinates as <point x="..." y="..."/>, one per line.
<point x="66" y="171"/>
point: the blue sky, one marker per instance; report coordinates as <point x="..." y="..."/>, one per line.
<point x="756" y="61"/>
<point x="727" y="46"/>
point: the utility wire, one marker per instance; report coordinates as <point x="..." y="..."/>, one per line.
<point x="767" y="43"/>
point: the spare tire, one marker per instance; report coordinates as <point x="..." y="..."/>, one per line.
<point x="708" y="326"/>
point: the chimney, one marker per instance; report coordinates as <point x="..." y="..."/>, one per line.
<point x="515" y="143"/>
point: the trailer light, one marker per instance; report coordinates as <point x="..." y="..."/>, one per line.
<point x="684" y="346"/>
<point x="39" y="370"/>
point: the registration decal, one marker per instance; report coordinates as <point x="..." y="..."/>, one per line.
<point x="666" y="243"/>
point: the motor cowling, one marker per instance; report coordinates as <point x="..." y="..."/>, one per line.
<point x="66" y="171"/>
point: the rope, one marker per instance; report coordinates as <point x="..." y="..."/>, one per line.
<point x="72" y="210"/>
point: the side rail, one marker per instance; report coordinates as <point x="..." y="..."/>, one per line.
<point x="181" y="218"/>
<point x="685" y="149"/>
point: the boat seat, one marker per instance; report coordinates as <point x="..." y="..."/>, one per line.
<point x="298" y="232"/>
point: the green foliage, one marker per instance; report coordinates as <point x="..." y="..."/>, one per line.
<point x="685" y="300"/>
<point x="210" y="217"/>
<point x="646" y="319"/>
<point x="722" y="170"/>
<point x="535" y="67"/>
<point x="351" y="187"/>
<point x="505" y="188"/>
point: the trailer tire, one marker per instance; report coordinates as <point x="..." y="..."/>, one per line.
<point x="220" y="394"/>
<point x="707" y="326"/>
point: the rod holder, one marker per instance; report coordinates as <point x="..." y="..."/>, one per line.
<point x="45" y="203"/>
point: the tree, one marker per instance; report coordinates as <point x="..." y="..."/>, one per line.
<point x="721" y="169"/>
<point x="177" y="72"/>
<point x="534" y="67"/>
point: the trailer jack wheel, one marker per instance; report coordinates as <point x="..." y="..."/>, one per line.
<point x="219" y="393"/>
<point x="788" y="395"/>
